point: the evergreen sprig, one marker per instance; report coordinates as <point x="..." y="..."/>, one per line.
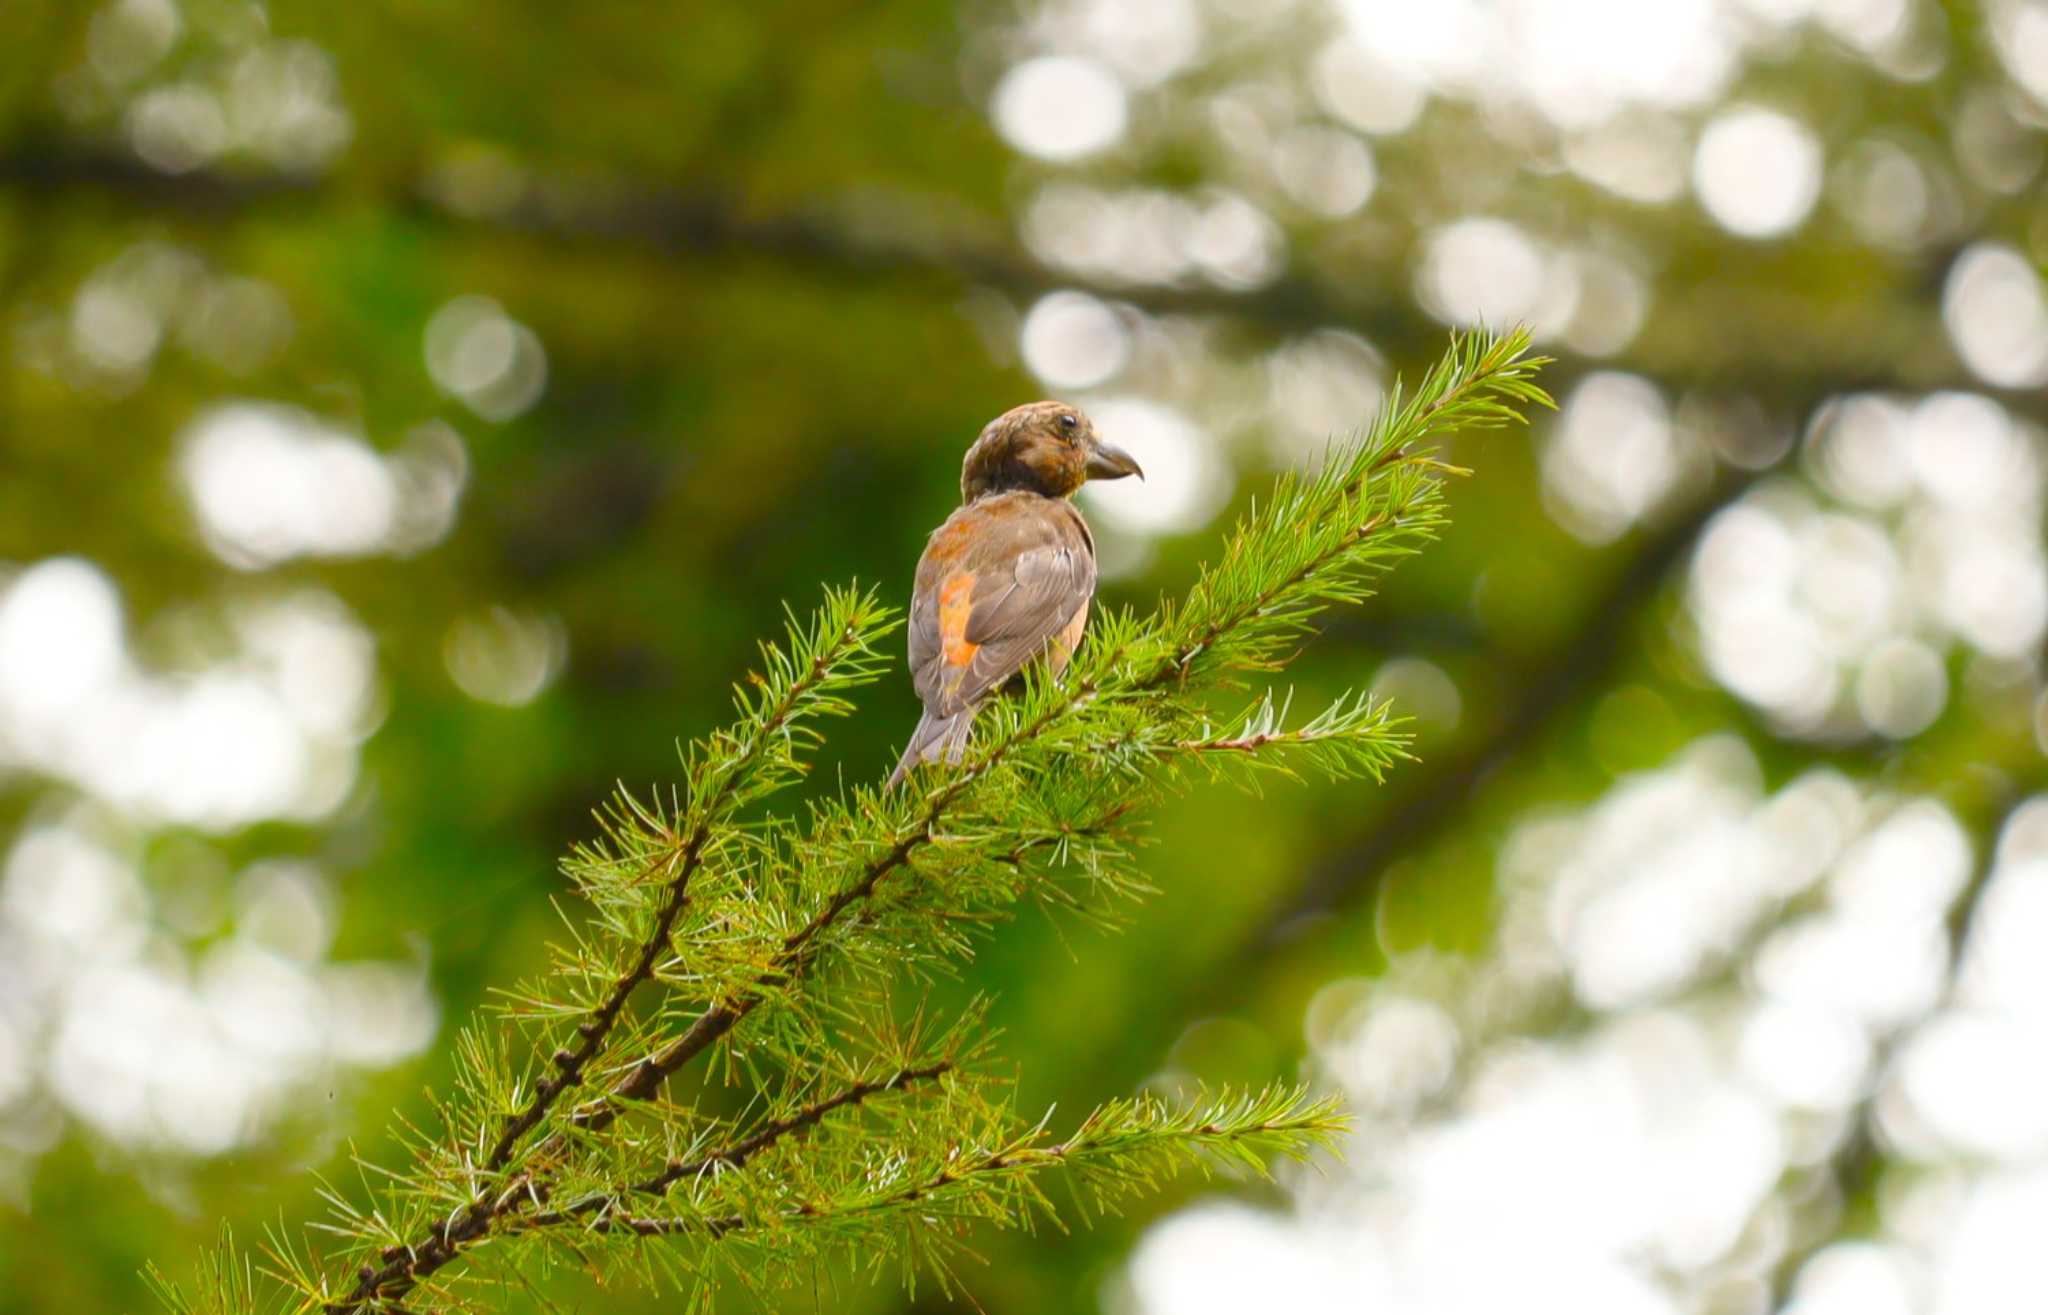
<point x="779" y="947"/>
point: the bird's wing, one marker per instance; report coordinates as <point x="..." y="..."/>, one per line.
<point x="992" y="593"/>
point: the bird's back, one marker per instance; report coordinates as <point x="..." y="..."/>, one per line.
<point x="1004" y="579"/>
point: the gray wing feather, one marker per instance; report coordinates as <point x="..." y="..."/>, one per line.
<point x="1015" y="624"/>
<point x="1011" y="621"/>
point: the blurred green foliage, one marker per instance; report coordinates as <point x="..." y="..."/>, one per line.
<point x="770" y="252"/>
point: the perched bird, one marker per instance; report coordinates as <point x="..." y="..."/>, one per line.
<point x="1007" y="579"/>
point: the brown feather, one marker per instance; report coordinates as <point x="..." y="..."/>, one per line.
<point x="1002" y="580"/>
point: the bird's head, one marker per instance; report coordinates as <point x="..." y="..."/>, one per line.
<point x="1049" y="448"/>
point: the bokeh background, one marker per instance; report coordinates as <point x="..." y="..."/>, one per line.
<point x="412" y="413"/>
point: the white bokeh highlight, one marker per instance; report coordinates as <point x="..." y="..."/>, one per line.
<point x="270" y="483"/>
<point x="1757" y="171"/>
<point x="505" y="657"/>
<point x="481" y="355"/>
<point x="1997" y="316"/>
<point x="1072" y="340"/>
<point x="1060" y="107"/>
<point x="1187" y="479"/>
<point x="1482" y="271"/>
<point x="1613" y="457"/>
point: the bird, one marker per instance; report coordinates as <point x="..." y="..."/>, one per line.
<point x="1007" y="579"/>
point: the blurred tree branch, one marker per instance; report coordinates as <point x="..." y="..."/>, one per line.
<point x="1897" y="342"/>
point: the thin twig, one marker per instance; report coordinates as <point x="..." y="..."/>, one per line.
<point x="737" y="1155"/>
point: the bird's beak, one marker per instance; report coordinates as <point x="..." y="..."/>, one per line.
<point x="1107" y="462"/>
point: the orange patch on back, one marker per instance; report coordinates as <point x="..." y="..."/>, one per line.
<point x="956" y="604"/>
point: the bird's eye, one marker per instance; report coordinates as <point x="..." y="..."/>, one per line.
<point x="1069" y="422"/>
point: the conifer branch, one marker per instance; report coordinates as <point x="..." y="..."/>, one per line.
<point x="773" y="939"/>
<point x="736" y="1156"/>
<point x="841" y="655"/>
<point x="1140" y="1139"/>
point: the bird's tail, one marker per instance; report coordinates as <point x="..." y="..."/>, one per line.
<point x="934" y="738"/>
